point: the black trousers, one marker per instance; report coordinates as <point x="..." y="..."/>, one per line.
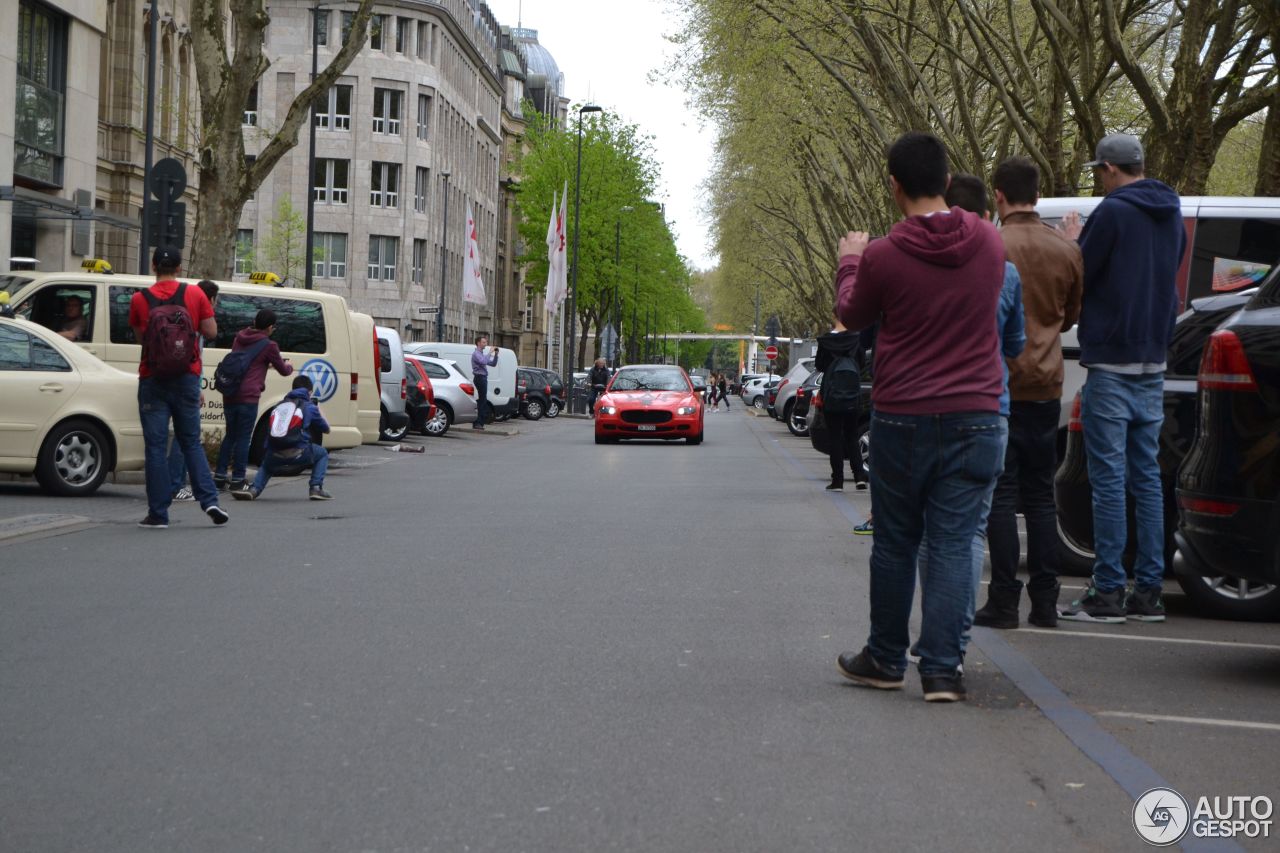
<point x="1029" y="465"/>
<point x="843" y="431"/>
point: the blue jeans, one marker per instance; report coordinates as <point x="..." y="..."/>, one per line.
<point x="1122" y="419"/>
<point x="177" y="467"/>
<point x="314" y="456"/>
<point x="482" y="398"/>
<point x="927" y="472"/>
<point x="979" y="545"/>
<point x="159" y="401"/>
<point x="240" y="419"/>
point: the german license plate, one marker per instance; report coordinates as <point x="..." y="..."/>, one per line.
<point x="647" y="428"/>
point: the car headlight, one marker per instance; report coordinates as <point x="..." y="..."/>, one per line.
<point x="608" y="410"/>
<point x="686" y="410"/>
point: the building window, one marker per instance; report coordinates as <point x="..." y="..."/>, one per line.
<point x="335" y="112"/>
<point x="41" y="94"/>
<point x="419" y="260"/>
<point x="384" y="188"/>
<point x="386" y="111"/>
<point x="331" y="181"/>
<point x="424" y="116"/>
<point x="322" y="26"/>
<point x="244" y="251"/>
<point x="249" y="160"/>
<point x="376" y="25"/>
<point x="424" y="41"/>
<point x="251" y="108"/>
<point x="402" y="33"/>
<point x="421" y="190"/>
<point x="382" y="258"/>
<point x="528" y="310"/>
<point x="348" y="18"/>
<point x="331" y="252"/>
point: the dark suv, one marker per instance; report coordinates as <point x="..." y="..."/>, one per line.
<point x="1229" y="485"/>
<point x="540" y="392"/>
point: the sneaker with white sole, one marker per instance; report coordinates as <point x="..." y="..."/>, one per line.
<point x="217" y="514"/>
<point x="183" y="495"/>
<point x="1096" y="606"/>
<point x="863" y="669"/>
<point x="1144" y="604"/>
<point x="153" y="523"/>
<point x="247" y="494"/>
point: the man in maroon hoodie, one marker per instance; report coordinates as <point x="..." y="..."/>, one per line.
<point x="933" y="283"/>
<point x="240" y="409"/>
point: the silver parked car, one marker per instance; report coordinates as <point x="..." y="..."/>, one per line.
<point x="394" y="422"/>
<point x="454" y="393"/>
<point x="787" y="388"/>
<point x="753" y="390"/>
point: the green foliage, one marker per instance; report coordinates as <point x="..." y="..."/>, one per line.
<point x="285" y="247"/>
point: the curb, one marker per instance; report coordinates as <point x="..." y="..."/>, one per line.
<point x="25" y="525"/>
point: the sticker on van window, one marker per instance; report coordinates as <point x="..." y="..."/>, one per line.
<point x="1230" y="274"/>
<point x="324" y="379"/>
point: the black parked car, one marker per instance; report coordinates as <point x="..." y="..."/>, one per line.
<point x="1228" y="491"/>
<point x="537" y="394"/>
<point x="1071" y="483"/>
<point x="798" y="422"/>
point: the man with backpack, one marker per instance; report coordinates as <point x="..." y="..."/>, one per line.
<point x="289" y="442"/>
<point x="242" y="377"/>
<point x="178" y="464"/>
<point x="841" y="393"/>
<point x="168" y="318"/>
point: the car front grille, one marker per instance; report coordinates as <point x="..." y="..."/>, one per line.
<point x="646" y="416"/>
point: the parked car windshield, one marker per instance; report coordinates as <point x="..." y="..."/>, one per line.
<point x="649" y="379"/>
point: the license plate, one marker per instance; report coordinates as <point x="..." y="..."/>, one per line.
<point x="647" y="428"/>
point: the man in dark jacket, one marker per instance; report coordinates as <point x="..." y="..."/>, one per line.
<point x="934" y="283"/>
<point x="599" y="376"/>
<point x="1132" y="246"/>
<point x="304" y="453"/>
<point x="842" y="426"/>
<point x="240" y="410"/>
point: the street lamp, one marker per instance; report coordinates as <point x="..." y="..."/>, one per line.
<point x="444" y="256"/>
<point x="577" y="205"/>
<point x="617" y="284"/>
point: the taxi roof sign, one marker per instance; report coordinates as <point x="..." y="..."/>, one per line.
<point x="264" y="278"/>
<point x="96" y="265"/>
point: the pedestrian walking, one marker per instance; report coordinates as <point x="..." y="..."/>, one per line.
<point x="841" y="393"/>
<point x="177" y="463"/>
<point x="934" y="283"/>
<point x="168" y="318"/>
<point x="967" y="192"/>
<point x="1052" y="279"/>
<point x="292" y="439"/>
<point x="1131" y="246"/>
<point x="242" y="377"/>
<point x="597" y="379"/>
<point x="722" y="387"/>
<point x="480" y="364"/>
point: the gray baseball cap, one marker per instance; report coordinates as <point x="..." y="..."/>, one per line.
<point x="1118" y="149"/>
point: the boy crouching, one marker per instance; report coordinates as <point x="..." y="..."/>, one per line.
<point x="294" y="422"/>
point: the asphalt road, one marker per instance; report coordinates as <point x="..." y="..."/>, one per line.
<point x="534" y="643"/>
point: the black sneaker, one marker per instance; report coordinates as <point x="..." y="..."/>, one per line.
<point x="319" y="494"/>
<point x="944" y="688"/>
<point x="219" y="482"/>
<point x="861" y="486"/>
<point x="835" y="487"/>
<point x="1095" y="606"/>
<point x="153" y="523"/>
<point x="238" y="485"/>
<point x="249" y="494"/>
<point x="217" y="514"/>
<point x="863" y="669"/>
<point x="1144" y="604"/>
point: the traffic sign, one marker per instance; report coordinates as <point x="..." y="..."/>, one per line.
<point x="771" y="353"/>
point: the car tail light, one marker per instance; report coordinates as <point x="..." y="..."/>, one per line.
<point x="422" y="389"/>
<point x="1205" y="506"/>
<point x="782" y="384"/>
<point x="1224" y="366"/>
<point x="467" y="388"/>
<point x="355" y="386"/>
<point x="816" y="402"/>
<point x="404" y="388"/>
<point x="547" y="390"/>
<point x="1075" y="424"/>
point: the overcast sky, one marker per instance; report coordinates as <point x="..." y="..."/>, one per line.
<point x="606" y="49"/>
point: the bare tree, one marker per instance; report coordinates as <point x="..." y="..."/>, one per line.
<point x="226" y="71"/>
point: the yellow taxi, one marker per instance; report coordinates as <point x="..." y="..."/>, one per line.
<point x="65" y="415"/>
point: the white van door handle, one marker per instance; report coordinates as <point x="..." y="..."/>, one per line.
<point x="51" y="386"/>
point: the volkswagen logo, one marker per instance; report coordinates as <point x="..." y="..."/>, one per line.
<point x="324" y="379"/>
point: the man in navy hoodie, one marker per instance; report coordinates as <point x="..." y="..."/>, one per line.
<point x="934" y="284"/>
<point x="1132" y="246"/>
<point x="305" y="454"/>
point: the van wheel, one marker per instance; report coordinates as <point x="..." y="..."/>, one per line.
<point x="74" y="459"/>
<point x="533" y="410"/>
<point x="439" y="425"/>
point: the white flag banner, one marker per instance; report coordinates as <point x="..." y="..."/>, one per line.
<point x="562" y="262"/>
<point x="553" y="246"/>
<point x="472" y="282"/>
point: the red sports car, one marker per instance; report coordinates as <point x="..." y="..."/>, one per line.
<point x="649" y="401"/>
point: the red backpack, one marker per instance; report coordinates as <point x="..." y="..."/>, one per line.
<point x="170" y="343"/>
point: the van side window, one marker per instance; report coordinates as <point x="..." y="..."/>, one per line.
<point x="384" y="354"/>
<point x="65" y="308"/>
<point x="118" y="299"/>
<point x="1231" y="254"/>
<point x="299" y="322"/>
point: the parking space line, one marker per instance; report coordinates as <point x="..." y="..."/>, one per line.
<point x="1138" y="638"/>
<point x="1195" y="721"/>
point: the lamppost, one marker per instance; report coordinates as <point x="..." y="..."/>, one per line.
<point x="573" y="291"/>
<point x="444" y="257"/>
<point x="148" y="152"/>
<point x="617" y="285"/>
<point x="635" y="326"/>
<point x="311" y="148"/>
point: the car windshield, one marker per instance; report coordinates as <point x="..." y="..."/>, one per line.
<point x="649" y="379"/>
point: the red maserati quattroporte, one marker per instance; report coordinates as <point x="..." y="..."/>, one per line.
<point x="649" y="401"/>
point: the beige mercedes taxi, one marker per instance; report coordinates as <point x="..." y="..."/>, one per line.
<point x="65" y="415"/>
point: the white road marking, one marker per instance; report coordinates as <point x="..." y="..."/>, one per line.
<point x="1196" y="721"/>
<point x="1106" y="635"/>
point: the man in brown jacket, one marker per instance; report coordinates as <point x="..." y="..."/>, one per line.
<point x="1052" y="283"/>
